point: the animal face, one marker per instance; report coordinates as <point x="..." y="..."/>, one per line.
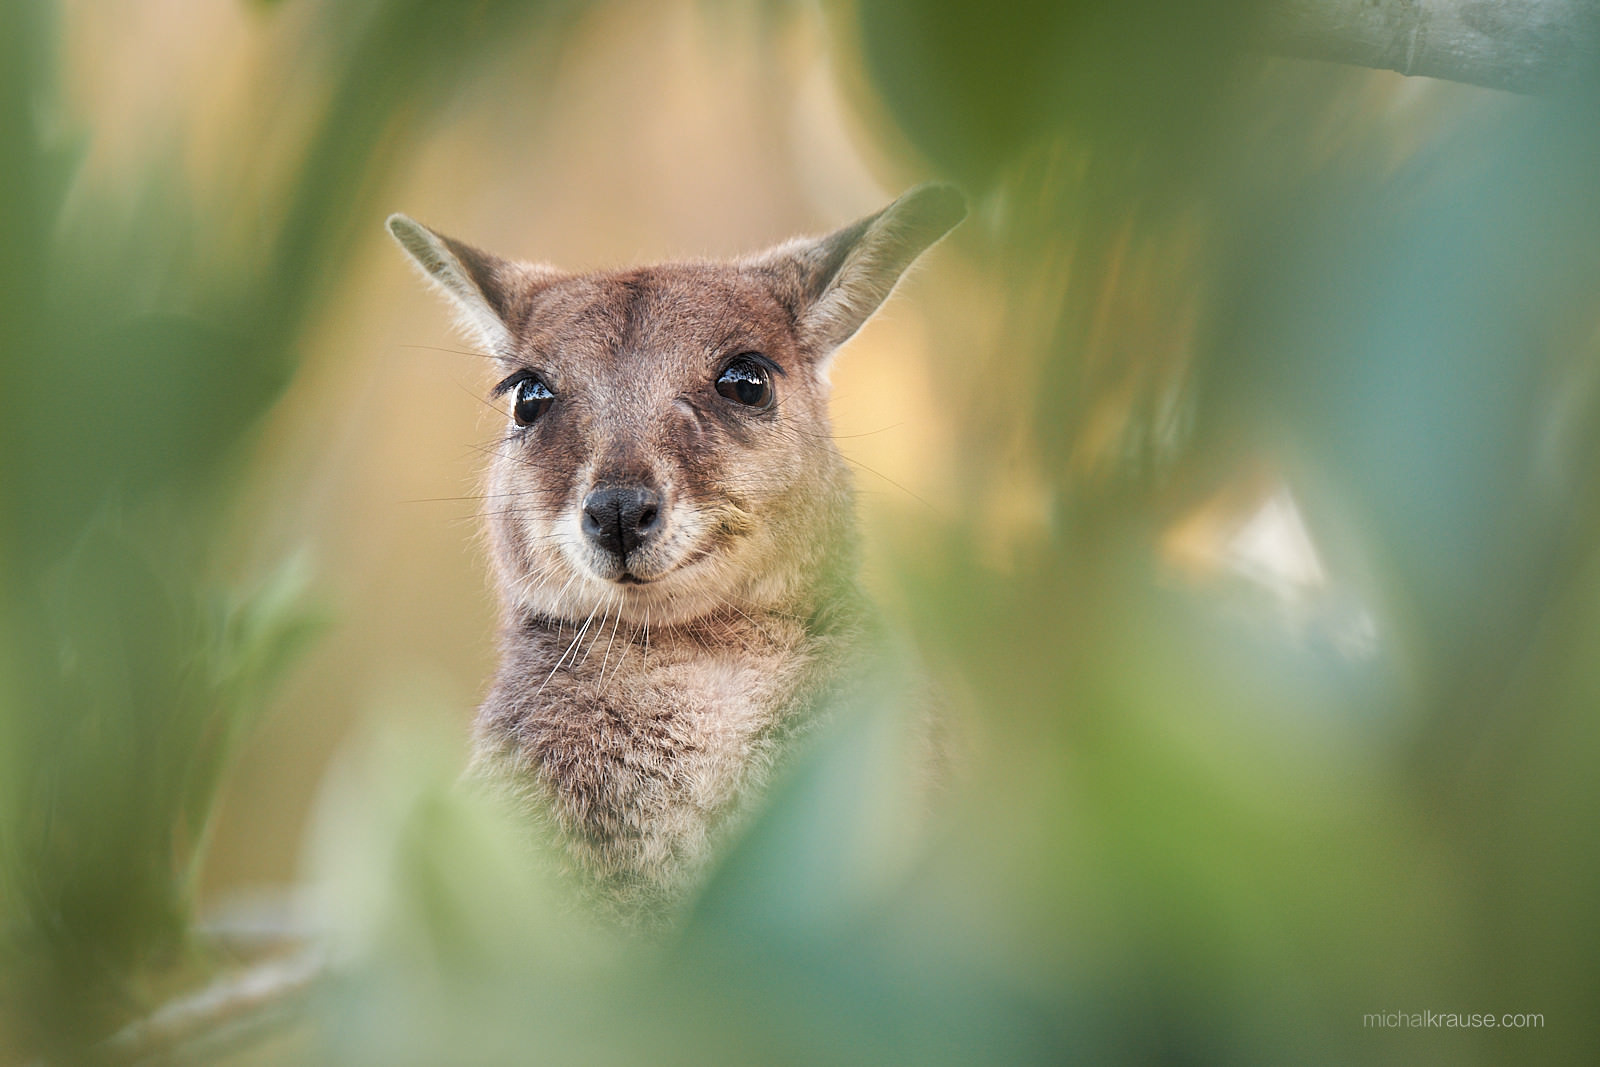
<point x="666" y="448"/>
<point x="667" y="451"/>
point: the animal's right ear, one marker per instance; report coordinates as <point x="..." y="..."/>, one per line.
<point x="490" y="294"/>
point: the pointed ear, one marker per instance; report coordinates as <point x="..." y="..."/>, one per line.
<point x="490" y="294"/>
<point x="833" y="284"/>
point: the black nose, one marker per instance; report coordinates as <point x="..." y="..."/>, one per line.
<point x="620" y="520"/>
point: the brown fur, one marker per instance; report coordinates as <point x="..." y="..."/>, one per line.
<point x="642" y="702"/>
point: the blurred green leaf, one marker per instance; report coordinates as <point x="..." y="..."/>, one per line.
<point x="1208" y="814"/>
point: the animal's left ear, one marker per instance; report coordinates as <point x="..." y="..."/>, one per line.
<point x="833" y="284"/>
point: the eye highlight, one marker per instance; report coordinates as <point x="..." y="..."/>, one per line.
<point x="747" y="381"/>
<point x="530" y="396"/>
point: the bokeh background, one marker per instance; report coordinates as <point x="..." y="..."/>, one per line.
<point x="1232" y="468"/>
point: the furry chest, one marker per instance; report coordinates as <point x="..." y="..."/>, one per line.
<point x="642" y="766"/>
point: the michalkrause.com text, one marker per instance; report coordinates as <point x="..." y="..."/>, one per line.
<point x="1421" y="1020"/>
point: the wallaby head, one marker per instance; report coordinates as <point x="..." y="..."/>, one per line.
<point x="667" y="451"/>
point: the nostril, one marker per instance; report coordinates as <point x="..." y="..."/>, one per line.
<point x="602" y="520"/>
<point x="647" y="517"/>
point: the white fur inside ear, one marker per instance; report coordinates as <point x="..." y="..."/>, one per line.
<point x="845" y="277"/>
<point x="866" y="279"/>
<point x="474" y="316"/>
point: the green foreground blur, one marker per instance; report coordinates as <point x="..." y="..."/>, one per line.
<point x="1265" y="582"/>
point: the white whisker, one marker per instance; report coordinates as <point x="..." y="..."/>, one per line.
<point x="568" y="652"/>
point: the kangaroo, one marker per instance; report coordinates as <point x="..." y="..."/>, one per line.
<point x="671" y="530"/>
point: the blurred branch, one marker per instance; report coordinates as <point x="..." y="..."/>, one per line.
<point x="1525" y="46"/>
<point x="234" y="1010"/>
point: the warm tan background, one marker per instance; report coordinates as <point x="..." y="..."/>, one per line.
<point x="659" y="132"/>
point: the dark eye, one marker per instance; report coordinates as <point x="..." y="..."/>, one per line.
<point x="748" y="382"/>
<point x="533" y="398"/>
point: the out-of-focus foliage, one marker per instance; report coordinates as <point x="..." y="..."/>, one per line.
<point x="144" y="335"/>
<point x="1268" y="583"/>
